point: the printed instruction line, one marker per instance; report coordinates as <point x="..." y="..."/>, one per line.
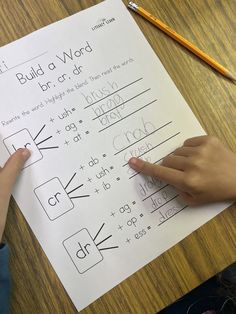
<point x="124" y="102"/>
<point x="108" y="248"/>
<point x="98" y="232"/>
<point x="78" y="187"/>
<point x="17" y="65"/>
<point x="113" y="92"/>
<point x="39" y="132"/>
<point x="128" y="115"/>
<point x="173" y="215"/>
<point x="81" y="196"/>
<point x="70" y="180"/>
<point x="51" y="147"/>
<point x="144" y="137"/>
<point x="169" y="138"/>
<point x="46" y="139"/>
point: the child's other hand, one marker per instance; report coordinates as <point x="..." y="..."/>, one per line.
<point x="8" y="176"/>
<point x="203" y="170"/>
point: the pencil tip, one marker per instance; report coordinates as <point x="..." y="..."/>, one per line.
<point x="231" y="76"/>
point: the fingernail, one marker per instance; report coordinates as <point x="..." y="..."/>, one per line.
<point x="134" y="162"/>
<point x="25" y="152"/>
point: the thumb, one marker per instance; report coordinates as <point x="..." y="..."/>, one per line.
<point x="12" y="168"/>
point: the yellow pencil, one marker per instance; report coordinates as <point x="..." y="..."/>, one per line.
<point x="166" y="29"/>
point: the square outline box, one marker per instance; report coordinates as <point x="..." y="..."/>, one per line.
<point x="42" y="204"/>
<point x="72" y="258"/>
<point x="32" y="140"/>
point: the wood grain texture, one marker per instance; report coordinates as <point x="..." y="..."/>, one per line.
<point x="210" y="25"/>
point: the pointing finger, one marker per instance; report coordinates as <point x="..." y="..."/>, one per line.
<point x="169" y="175"/>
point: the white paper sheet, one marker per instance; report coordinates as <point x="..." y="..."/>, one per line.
<point x="85" y="94"/>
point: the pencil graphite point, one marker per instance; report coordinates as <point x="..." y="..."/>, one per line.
<point x="231" y="76"/>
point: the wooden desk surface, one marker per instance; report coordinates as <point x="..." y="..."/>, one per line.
<point x="211" y="25"/>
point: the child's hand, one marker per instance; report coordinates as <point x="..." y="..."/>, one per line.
<point x="203" y="170"/>
<point x="8" y="176"/>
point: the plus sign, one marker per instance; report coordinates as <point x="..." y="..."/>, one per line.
<point x="52" y="120"/>
<point x="89" y="180"/>
<point x="128" y="240"/>
<point x="120" y="227"/>
<point x="96" y="191"/>
<point x="58" y="131"/>
<point x="81" y="167"/>
<point x="66" y="142"/>
<point x="113" y="214"/>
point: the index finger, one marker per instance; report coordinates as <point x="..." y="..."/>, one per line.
<point x="169" y="175"/>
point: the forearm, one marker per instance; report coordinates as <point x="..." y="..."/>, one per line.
<point x="5" y="285"/>
<point x="8" y="175"/>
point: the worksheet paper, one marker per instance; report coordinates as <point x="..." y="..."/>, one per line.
<point x="84" y="95"/>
